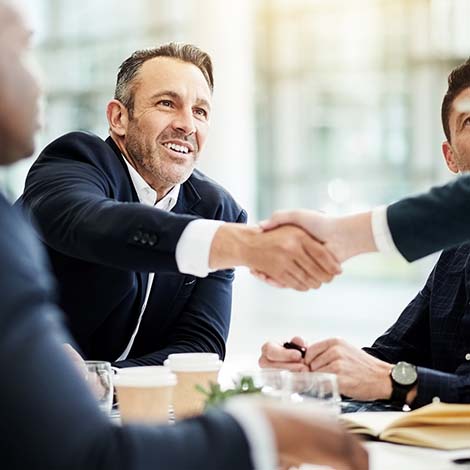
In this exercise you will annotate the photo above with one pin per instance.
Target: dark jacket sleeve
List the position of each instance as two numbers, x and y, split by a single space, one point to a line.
204 322
69 196
432 221
48 417
449 388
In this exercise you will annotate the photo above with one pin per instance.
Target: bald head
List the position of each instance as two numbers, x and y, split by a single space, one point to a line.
19 91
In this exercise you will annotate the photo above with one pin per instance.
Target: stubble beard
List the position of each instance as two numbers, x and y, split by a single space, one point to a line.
155 161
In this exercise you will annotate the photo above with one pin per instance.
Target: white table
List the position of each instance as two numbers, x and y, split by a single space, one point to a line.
385 456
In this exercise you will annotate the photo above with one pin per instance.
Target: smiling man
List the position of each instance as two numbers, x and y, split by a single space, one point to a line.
94 202
103 211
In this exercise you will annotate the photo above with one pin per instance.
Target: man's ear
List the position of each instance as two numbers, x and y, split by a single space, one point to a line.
118 117
449 157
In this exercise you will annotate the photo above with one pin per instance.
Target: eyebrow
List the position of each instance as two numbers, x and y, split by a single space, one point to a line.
176 96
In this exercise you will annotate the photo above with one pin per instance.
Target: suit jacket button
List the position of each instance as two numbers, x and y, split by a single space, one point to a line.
145 238
137 236
153 240
467 357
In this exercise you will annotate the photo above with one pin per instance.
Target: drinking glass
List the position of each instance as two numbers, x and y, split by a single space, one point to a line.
313 388
99 378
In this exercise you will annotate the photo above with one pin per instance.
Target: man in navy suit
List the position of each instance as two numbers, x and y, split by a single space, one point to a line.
48 417
95 203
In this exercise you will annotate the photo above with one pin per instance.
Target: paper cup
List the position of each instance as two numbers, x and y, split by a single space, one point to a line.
144 393
192 369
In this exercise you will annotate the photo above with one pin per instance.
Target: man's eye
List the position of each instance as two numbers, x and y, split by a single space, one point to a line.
166 103
200 112
466 122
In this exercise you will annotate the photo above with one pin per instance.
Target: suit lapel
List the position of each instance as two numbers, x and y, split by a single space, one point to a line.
120 158
188 198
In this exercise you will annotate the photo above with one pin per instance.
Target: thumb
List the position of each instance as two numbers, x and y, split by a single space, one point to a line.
278 218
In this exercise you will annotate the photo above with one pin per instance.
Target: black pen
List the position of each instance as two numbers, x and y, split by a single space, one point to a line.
301 349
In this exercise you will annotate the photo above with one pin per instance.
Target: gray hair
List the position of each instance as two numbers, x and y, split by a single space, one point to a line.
128 70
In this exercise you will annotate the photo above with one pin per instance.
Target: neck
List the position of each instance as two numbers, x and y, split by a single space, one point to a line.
161 188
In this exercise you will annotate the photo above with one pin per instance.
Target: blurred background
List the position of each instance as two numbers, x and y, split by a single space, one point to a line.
326 104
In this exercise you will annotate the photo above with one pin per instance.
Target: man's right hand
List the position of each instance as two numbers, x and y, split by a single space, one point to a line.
305 437
287 254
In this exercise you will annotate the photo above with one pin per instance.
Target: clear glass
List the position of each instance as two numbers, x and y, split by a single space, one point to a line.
313 388
99 378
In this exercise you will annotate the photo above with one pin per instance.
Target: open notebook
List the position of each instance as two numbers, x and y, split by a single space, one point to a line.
439 425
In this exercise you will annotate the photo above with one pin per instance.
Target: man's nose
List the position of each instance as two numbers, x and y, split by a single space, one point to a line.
184 122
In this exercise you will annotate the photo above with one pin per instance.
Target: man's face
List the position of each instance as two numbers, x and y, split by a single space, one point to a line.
457 151
19 90
170 121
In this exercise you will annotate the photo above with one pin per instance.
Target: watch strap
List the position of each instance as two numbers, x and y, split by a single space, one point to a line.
399 393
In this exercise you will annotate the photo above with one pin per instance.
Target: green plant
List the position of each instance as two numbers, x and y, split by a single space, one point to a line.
215 396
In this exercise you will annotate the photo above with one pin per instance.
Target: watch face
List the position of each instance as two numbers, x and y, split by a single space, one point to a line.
404 373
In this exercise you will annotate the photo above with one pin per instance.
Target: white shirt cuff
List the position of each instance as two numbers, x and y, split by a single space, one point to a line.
258 432
194 246
382 236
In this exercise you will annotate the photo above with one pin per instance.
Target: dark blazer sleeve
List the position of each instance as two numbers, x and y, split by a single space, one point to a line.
48 417
71 195
432 221
204 322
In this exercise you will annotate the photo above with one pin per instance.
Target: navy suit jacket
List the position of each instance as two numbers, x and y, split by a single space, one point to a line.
102 243
432 221
48 418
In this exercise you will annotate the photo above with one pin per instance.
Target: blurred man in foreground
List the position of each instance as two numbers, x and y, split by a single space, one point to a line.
48 417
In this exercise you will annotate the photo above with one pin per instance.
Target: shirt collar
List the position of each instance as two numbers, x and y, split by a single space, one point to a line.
147 195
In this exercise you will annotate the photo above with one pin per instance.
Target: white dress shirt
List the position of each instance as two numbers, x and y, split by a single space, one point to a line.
381 231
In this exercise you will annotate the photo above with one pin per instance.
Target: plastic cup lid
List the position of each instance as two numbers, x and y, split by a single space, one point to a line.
130 379
193 362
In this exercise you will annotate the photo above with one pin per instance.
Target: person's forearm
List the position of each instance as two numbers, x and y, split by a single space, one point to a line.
352 235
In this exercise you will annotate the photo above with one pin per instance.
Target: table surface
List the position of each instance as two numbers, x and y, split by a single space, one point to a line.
386 456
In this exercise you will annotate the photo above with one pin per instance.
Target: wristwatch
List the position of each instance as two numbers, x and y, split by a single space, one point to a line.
404 376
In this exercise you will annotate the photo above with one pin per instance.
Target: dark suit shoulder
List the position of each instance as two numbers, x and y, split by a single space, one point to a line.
82 157
78 145
216 202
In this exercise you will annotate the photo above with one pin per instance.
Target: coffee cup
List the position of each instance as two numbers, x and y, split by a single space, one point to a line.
192 369
144 393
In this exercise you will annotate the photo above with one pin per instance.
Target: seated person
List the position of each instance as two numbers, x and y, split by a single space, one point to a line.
101 208
48 417
432 335
94 203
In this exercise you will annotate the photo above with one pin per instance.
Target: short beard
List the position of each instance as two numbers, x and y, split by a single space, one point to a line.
145 157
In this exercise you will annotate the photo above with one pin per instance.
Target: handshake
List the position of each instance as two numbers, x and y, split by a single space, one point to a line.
301 249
